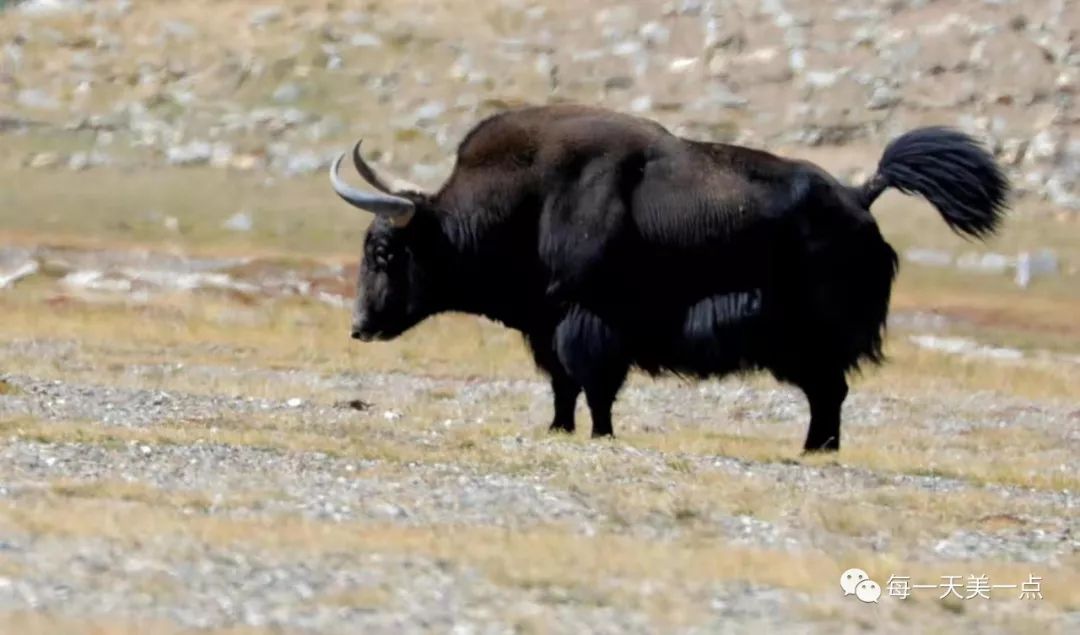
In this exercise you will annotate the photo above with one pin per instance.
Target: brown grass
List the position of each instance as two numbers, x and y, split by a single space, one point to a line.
31 623
537 558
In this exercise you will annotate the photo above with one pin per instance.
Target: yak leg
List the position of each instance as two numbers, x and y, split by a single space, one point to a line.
601 396
563 386
593 356
566 393
826 393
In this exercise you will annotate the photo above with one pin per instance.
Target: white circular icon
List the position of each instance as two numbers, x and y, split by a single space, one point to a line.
851 579
868 591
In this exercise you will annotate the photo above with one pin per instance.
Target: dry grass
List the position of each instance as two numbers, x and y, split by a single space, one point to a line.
29 623
602 566
642 481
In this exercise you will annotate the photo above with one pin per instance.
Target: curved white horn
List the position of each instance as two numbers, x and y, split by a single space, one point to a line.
384 204
389 184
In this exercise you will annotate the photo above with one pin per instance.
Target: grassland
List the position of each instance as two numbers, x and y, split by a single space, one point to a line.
232 463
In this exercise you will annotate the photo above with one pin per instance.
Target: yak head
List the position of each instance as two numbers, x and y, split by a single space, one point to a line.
394 290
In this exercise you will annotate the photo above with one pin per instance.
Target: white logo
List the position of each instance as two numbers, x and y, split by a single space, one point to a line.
851 579
868 591
856 582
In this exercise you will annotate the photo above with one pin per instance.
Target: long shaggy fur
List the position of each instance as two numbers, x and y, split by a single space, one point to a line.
612 243
952 171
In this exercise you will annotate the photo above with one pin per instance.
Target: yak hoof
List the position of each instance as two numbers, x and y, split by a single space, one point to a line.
558 428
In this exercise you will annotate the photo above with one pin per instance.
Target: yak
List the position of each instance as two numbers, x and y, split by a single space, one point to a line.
614 244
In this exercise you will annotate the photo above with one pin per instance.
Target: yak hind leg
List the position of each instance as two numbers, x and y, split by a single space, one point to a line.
593 355
826 392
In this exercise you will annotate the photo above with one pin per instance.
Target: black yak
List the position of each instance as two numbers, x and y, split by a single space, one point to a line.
611 243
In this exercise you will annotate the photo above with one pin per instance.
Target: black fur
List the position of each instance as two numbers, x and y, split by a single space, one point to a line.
949 169
611 243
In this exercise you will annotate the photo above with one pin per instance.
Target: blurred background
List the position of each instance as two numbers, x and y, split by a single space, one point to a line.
190 439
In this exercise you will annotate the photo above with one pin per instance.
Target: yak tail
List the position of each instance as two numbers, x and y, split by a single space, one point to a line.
950 170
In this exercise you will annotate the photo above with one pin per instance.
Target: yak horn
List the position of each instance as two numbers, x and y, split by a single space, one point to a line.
387 185
398 208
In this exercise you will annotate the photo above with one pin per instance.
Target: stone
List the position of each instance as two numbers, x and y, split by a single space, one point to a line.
194 153
16 264
654 34
288 93
641 104
46 7
1029 265
178 29
264 16
821 79
221 155
988 263
245 162
44 160
682 64
36 100
239 222
303 162
365 40
883 98
928 257
78 161
1044 146
1059 190
427 113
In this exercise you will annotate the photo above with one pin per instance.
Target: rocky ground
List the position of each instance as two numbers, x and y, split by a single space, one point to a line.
190 442
210 471
280 88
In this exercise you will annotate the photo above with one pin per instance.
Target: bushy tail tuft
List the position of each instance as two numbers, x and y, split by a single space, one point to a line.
952 171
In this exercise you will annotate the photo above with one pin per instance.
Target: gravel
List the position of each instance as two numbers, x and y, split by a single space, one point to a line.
200 585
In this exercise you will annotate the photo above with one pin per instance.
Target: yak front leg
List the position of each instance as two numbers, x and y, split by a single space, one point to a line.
563 387
593 355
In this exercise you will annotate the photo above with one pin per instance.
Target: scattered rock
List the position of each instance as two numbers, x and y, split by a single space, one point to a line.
36 100
641 104
654 34
883 98
1010 78
265 16
304 162
1030 265
16 264
45 7
193 153
965 347
989 263
239 222
929 257
365 40
43 160
288 93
